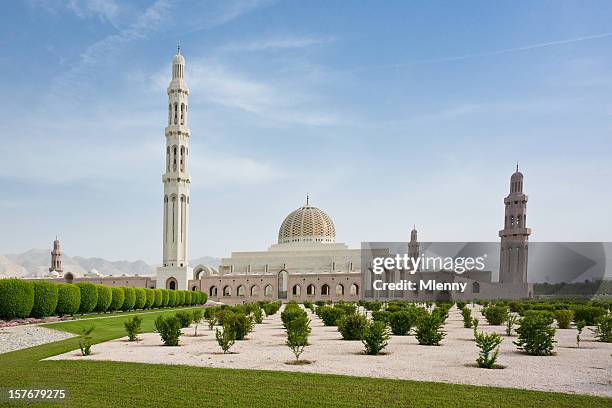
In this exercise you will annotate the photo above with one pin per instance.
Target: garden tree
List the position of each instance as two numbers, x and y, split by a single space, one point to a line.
496 315
165 297
257 314
429 330
475 325
188 296
158 297
351 326
89 296
580 324
117 298
68 299
381 316
403 320
129 300
16 298
105 297
150 298
467 317
536 335
45 298
511 320
588 313
298 331
564 318
240 323
196 317
85 340
330 314
132 327
184 317
226 338
172 298
209 315
489 348
141 298
292 311
169 329
180 298
375 337
271 308
603 328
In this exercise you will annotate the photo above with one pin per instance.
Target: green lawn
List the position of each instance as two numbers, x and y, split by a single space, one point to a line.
109 384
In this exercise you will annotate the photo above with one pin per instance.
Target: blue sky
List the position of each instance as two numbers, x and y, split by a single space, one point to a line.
387 113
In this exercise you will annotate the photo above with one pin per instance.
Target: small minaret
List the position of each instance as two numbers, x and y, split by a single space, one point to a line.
56 257
515 235
413 245
176 181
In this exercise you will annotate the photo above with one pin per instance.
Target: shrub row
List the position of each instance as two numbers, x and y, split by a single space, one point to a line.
20 298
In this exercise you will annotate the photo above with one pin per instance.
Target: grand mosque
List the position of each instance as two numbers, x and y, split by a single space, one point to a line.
306 262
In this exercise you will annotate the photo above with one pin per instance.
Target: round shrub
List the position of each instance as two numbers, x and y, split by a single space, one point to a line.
188 297
89 296
171 298
496 315
428 330
564 318
45 299
180 298
130 299
402 321
159 297
351 326
588 313
536 335
330 315
16 298
68 299
141 298
165 297
118 298
381 316
105 297
150 298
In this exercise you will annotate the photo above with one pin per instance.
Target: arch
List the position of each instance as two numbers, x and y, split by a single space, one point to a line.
194 288
174 156
311 290
325 290
227 291
171 283
212 292
354 289
182 113
182 159
254 291
283 276
175 113
339 290
297 290
268 291
240 291
475 287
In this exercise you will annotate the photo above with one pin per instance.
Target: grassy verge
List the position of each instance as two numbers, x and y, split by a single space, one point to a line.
112 384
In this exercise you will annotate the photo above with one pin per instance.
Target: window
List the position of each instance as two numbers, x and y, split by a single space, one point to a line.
227 291
310 290
240 291
354 291
325 290
268 291
297 290
339 290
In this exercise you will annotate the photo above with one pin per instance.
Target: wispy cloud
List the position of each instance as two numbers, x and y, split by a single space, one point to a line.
104 10
276 43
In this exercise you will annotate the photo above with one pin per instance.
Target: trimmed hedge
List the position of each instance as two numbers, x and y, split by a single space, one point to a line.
180 298
150 298
118 298
16 298
130 299
68 299
165 297
141 298
89 297
188 297
45 299
171 298
158 297
105 297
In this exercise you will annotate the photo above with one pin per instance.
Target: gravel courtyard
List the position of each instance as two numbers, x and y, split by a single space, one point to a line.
584 370
20 337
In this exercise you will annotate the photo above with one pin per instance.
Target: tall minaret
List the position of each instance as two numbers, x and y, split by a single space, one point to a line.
515 235
56 257
176 182
413 245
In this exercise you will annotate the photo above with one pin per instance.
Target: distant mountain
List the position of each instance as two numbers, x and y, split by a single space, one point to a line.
35 263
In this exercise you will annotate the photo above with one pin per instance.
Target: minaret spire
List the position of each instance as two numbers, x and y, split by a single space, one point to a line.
307 199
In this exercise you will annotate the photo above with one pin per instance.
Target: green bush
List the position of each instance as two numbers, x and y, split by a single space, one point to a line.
188 296
466 312
271 308
496 315
180 298
402 321
184 318
349 308
603 328
89 297
117 299
132 327
197 315
159 297
225 338
428 330
292 311
169 329
536 335
165 297
461 305
381 316
588 313
16 298
171 298
351 326
487 343
375 337
298 331
150 298
564 318
130 299
141 298
330 315
45 299
240 323
105 297
68 299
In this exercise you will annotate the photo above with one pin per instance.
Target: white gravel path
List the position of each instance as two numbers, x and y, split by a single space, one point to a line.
587 370
20 337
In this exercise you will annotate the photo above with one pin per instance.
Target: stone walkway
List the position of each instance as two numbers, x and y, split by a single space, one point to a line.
20 337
